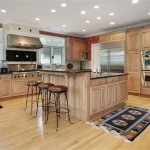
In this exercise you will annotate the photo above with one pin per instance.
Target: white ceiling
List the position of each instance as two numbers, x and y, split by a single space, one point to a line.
25 11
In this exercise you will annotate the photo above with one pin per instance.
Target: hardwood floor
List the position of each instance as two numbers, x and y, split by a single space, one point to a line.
21 131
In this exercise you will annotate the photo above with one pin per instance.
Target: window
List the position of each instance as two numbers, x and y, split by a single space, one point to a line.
53 51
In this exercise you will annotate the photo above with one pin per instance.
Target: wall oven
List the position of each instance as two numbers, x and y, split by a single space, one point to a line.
145 60
145 68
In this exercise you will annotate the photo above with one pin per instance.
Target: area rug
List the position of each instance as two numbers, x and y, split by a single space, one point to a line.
1 107
126 122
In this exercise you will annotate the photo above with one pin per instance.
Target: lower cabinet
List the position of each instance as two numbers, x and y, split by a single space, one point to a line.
98 99
5 88
19 87
107 95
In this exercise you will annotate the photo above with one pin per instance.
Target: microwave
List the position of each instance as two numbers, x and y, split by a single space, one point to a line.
83 56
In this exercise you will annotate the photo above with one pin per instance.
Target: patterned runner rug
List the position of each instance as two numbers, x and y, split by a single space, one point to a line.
126 122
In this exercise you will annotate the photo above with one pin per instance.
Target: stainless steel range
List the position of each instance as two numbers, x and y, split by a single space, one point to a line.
23 75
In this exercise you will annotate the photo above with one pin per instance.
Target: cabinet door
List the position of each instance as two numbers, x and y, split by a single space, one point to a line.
111 94
98 99
19 87
145 39
134 82
74 46
122 91
5 88
133 62
132 41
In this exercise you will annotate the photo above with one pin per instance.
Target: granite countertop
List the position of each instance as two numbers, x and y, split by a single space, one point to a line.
53 70
95 75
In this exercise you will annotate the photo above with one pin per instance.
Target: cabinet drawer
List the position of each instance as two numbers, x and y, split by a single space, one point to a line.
112 79
122 78
97 82
8 76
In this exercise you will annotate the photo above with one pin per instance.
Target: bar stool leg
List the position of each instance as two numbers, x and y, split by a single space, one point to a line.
32 101
27 98
57 108
68 108
37 102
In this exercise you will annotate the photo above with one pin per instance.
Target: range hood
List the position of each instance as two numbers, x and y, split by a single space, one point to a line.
25 42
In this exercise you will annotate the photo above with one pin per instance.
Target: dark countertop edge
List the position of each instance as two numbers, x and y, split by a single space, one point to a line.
107 76
61 71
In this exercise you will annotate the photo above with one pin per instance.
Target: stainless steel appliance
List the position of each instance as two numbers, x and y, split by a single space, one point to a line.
112 57
21 75
145 69
145 60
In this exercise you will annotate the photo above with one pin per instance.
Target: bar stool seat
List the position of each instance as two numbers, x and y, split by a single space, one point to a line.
31 85
57 90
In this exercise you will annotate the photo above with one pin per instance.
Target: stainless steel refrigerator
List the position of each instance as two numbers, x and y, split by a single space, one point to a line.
112 57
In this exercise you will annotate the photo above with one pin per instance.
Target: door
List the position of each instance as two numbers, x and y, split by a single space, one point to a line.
95 61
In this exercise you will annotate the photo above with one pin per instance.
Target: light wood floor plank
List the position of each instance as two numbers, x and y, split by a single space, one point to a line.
21 131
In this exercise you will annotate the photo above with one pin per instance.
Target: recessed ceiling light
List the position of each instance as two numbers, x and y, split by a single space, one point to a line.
112 23
53 10
87 21
3 11
37 19
98 18
149 13
96 7
111 14
83 30
135 1
63 4
64 25
83 12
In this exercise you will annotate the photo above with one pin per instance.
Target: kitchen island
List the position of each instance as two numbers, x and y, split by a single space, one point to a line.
90 94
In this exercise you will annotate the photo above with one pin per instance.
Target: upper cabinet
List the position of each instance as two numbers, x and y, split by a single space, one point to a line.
132 41
145 39
75 47
118 36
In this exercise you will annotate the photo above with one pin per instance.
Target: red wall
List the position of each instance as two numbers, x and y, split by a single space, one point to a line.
92 40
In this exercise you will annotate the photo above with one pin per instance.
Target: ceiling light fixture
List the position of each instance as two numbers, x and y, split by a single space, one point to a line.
112 23
111 14
37 19
149 13
96 7
63 5
87 21
83 12
53 10
64 25
98 18
3 11
135 1
83 30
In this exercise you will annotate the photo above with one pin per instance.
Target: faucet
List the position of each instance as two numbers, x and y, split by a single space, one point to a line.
56 66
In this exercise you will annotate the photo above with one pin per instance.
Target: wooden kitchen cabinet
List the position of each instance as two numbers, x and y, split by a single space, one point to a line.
74 46
110 37
19 87
132 41
5 88
145 39
98 99
133 68
133 62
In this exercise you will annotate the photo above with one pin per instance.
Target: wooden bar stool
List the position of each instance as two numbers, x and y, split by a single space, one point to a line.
43 91
31 85
57 90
